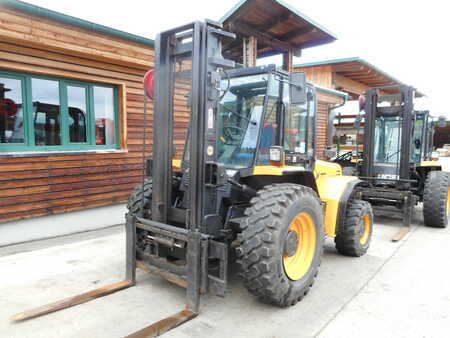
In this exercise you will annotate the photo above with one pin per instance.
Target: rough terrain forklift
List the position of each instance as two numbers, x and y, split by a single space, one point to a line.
397 166
247 181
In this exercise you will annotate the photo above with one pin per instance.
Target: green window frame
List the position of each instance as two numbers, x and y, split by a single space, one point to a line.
66 144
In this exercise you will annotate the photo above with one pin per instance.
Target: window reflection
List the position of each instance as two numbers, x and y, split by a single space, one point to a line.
104 115
76 97
11 114
47 117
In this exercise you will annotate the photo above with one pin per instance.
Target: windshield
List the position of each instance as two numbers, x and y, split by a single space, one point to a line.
239 119
387 140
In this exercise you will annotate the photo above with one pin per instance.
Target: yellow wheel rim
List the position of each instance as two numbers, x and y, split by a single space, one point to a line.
298 264
367 223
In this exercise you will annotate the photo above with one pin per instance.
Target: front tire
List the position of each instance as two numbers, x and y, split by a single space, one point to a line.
355 236
436 199
140 200
281 243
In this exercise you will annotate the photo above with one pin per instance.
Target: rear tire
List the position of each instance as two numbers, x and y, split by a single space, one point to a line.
268 271
436 199
355 236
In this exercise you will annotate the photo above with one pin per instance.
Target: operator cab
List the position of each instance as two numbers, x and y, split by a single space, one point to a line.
259 114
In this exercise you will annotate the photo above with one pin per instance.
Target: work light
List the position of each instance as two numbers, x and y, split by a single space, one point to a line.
276 154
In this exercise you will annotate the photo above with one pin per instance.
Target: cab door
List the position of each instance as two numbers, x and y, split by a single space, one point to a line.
299 128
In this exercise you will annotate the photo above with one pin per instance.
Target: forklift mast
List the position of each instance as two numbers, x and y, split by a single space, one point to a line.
401 110
188 55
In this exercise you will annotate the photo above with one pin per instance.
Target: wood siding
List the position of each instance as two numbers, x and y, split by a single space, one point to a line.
319 76
321 129
41 185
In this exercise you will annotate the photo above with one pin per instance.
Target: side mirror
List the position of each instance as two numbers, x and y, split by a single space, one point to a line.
417 143
298 87
442 122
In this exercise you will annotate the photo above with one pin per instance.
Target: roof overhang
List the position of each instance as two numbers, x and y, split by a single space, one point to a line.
277 26
359 70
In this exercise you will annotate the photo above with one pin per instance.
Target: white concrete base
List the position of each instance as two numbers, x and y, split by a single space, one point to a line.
62 224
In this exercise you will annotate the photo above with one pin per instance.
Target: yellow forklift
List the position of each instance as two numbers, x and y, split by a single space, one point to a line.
397 167
247 184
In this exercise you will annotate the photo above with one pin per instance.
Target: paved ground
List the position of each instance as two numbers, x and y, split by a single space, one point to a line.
397 289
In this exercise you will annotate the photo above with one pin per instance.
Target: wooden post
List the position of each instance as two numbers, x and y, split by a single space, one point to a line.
250 51
287 61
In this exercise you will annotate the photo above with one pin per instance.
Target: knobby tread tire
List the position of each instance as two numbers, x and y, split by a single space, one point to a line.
435 213
134 204
347 240
263 230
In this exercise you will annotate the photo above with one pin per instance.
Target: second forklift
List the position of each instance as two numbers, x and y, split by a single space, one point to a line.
397 168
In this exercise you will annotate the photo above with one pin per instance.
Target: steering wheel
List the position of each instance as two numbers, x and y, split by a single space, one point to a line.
233 134
345 157
388 156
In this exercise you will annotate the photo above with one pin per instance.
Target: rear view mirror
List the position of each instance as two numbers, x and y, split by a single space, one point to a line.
442 121
298 87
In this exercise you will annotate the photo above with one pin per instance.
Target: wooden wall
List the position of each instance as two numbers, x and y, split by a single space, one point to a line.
325 101
320 76
40 185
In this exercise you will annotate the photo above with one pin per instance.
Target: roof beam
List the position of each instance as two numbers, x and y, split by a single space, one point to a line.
366 77
349 85
354 72
274 22
344 67
246 30
314 43
296 33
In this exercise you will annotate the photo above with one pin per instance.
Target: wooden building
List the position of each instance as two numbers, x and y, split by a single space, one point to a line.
71 135
71 94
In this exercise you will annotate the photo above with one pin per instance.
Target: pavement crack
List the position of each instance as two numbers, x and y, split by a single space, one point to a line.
366 283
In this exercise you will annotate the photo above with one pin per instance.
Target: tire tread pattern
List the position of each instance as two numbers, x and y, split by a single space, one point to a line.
257 251
134 204
347 240
435 199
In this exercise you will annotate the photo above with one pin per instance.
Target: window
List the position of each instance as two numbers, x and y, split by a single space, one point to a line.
388 134
77 102
46 112
299 126
104 115
42 113
269 130
239 120
11 112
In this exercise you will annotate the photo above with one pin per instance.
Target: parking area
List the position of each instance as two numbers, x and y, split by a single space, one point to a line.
397 289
